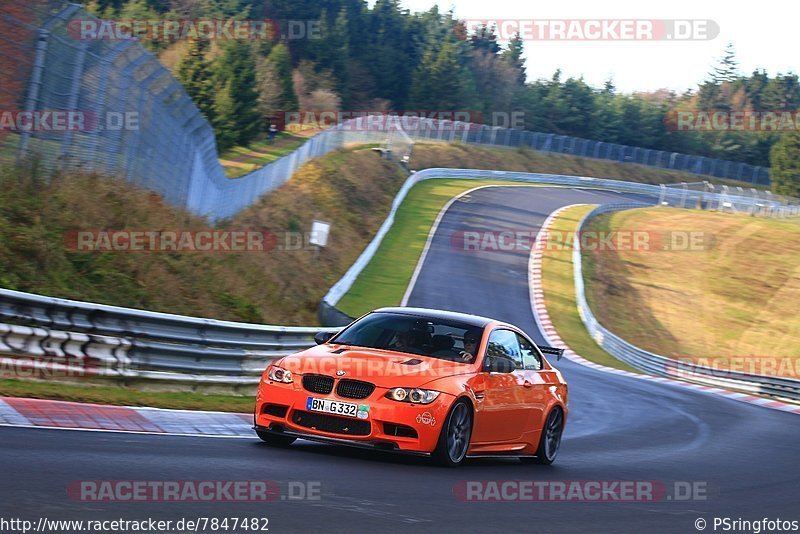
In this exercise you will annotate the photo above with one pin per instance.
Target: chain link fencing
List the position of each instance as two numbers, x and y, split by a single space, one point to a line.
122 113
468 133
136 121
724 198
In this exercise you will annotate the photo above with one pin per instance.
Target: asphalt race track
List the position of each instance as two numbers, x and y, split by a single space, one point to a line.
619 429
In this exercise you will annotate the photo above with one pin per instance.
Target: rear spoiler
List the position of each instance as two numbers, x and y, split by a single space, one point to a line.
551 350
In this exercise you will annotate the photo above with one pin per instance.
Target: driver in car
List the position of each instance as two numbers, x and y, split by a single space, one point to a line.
471 339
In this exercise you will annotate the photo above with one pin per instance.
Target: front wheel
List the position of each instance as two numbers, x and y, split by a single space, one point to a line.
276 440
451 449
550 440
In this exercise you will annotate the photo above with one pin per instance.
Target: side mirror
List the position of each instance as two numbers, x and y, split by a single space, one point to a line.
499 365
322 337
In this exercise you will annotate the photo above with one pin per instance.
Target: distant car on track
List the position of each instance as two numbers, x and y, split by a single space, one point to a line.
420 381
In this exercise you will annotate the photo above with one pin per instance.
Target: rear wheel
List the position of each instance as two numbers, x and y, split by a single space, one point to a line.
451 450
276 440
550 441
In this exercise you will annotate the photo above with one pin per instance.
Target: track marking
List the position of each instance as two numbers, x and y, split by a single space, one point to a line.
548 331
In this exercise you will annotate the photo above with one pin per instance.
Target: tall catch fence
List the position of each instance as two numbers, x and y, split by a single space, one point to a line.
133 119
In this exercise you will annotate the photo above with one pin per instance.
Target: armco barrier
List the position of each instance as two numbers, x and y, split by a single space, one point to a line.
662 194
658 365
137 344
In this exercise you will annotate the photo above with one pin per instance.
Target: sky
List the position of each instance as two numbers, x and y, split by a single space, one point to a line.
768 41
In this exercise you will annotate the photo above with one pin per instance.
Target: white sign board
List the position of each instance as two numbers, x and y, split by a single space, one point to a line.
319 233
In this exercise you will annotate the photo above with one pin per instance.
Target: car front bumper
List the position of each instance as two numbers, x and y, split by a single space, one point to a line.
390 425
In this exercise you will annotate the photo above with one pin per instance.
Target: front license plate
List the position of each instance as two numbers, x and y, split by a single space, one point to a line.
335 407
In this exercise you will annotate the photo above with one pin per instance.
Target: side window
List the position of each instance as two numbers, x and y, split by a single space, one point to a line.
504 344
530 355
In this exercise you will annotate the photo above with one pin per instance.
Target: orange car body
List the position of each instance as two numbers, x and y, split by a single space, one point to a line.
509 409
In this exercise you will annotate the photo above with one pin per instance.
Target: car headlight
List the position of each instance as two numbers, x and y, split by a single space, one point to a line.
413 395
279 374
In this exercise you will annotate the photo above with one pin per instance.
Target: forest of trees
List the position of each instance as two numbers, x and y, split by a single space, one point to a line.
388 59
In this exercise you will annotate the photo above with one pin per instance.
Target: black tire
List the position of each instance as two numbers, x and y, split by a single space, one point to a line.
550 440
276 440
451 449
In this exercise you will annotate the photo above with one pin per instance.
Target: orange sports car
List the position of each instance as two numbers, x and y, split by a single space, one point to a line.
435 383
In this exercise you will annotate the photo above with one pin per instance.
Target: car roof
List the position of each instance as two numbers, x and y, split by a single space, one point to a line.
471 320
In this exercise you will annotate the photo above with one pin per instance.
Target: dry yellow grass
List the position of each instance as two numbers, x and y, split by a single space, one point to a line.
734 298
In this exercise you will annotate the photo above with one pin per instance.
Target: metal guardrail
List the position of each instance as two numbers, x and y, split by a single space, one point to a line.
133 344
60 335
656 364
689 198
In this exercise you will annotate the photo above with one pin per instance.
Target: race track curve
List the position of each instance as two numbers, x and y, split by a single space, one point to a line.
620 429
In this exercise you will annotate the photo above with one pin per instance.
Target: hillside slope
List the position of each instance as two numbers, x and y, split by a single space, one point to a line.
352 189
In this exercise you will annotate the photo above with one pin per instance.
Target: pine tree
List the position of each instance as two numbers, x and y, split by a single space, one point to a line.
282 64
225 117
485 38
235 72
341 52
727 70
513 55
785 162
194 73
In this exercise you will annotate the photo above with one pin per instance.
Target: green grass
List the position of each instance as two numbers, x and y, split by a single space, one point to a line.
118 396
242 160
559 290
384 280
732 298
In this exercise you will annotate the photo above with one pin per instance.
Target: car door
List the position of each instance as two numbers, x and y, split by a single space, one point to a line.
534 384
501 413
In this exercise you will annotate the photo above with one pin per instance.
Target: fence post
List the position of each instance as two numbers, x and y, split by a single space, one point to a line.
34 87
74 91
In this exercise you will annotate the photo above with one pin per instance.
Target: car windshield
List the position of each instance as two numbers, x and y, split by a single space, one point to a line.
424 336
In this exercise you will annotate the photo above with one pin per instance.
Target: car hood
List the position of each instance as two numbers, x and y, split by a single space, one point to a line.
381 367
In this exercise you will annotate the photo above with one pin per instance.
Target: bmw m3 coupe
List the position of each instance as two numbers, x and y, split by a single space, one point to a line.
420 381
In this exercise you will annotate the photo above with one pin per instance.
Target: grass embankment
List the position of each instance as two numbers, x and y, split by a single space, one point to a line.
730 299
242 160
384 280
124 397
559 291
461 156
351 188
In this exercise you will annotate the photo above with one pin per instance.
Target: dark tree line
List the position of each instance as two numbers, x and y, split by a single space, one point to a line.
389 59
